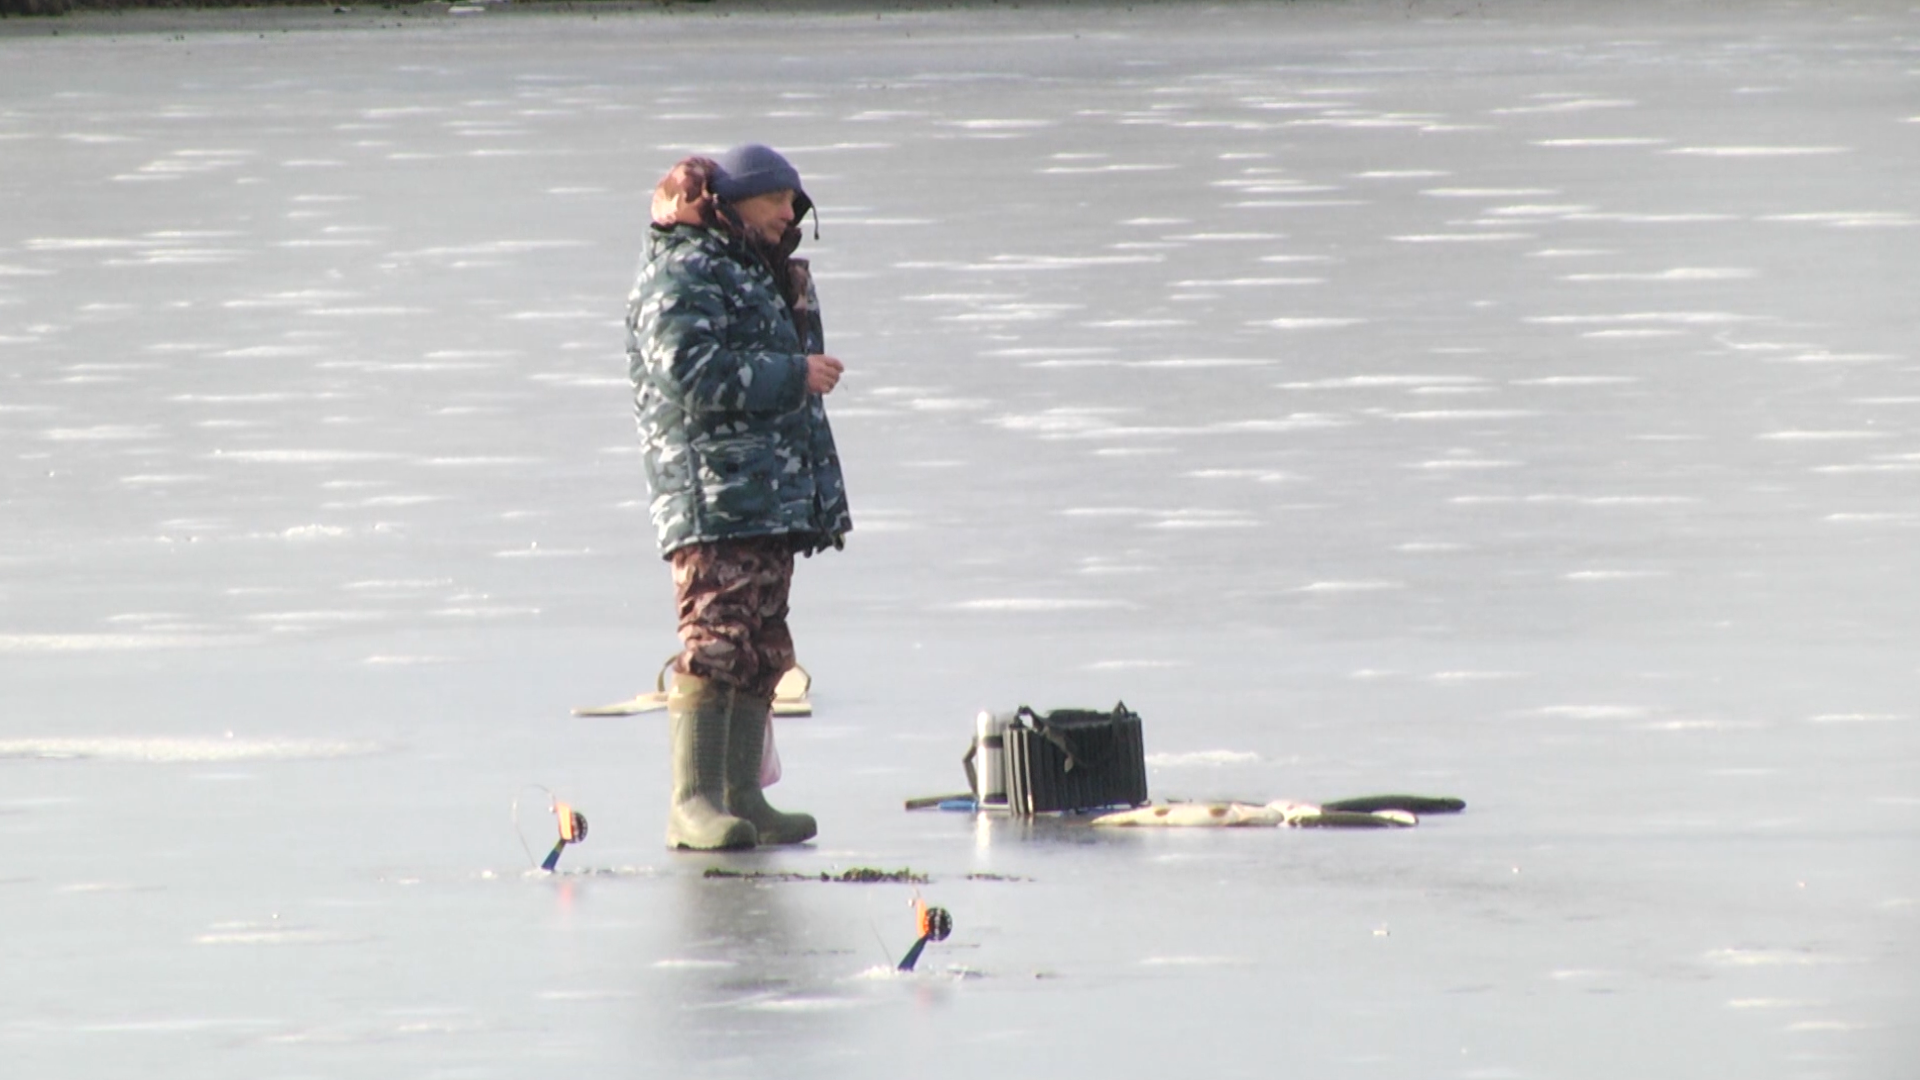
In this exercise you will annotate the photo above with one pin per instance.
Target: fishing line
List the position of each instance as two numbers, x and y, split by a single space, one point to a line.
874 925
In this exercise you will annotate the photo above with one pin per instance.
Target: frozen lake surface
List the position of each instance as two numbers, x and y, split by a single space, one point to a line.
1511 401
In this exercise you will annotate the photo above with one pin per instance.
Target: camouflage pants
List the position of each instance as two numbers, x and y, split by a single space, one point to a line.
732 596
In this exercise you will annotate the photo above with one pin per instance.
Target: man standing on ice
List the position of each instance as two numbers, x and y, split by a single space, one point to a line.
727 357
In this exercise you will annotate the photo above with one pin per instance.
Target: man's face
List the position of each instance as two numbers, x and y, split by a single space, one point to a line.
767 216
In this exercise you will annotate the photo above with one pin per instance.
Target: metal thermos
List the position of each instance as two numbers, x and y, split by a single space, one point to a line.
990 761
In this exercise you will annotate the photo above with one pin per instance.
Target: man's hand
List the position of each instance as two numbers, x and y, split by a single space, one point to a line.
823 373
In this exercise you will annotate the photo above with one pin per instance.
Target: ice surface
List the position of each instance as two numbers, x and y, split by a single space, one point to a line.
1510 401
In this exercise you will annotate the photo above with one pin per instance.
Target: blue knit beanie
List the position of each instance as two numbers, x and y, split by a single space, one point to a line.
752 169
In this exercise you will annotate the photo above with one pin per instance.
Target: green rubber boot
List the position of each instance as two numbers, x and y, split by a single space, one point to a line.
746 739
698 819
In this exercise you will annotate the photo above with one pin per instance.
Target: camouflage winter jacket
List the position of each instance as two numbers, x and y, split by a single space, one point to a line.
733 442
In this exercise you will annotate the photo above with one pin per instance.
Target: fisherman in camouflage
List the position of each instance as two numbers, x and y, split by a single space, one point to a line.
729 370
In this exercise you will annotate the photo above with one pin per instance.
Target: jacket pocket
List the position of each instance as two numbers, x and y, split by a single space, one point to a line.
739 482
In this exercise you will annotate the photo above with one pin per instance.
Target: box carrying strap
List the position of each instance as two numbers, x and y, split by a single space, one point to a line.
1085 737
973 775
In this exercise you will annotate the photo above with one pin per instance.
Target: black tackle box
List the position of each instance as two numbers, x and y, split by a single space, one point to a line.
1074 759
